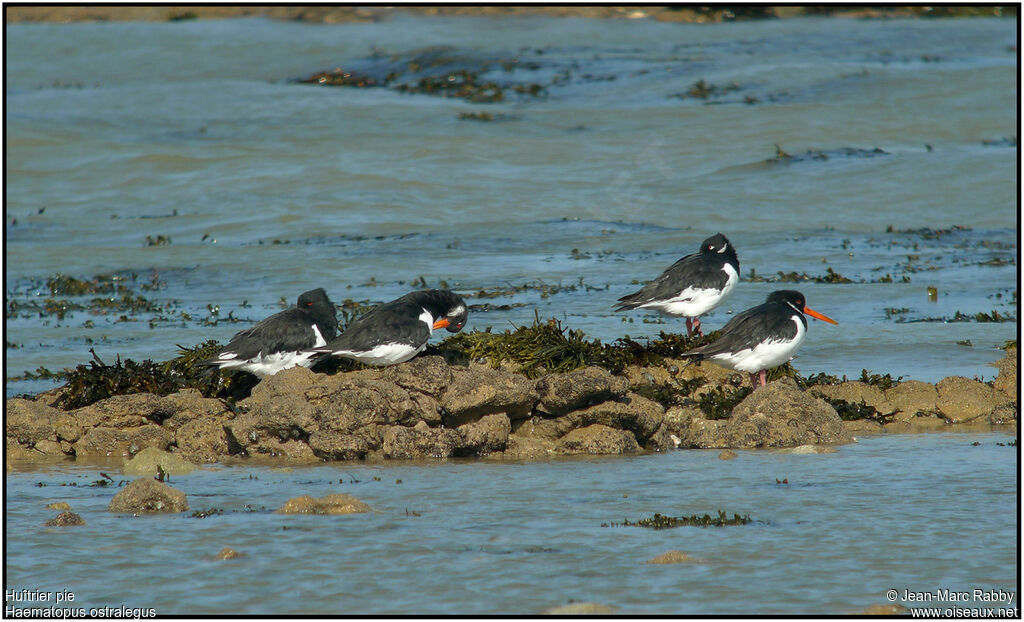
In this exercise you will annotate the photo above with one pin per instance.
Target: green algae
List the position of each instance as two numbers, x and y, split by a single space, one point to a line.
547 347
661 521
719 401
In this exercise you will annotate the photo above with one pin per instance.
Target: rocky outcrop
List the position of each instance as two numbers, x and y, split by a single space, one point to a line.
152 461
428 409
328 504
962 400
778 415
148 496
65 519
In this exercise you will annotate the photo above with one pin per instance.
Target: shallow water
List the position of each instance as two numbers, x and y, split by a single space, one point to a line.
196 131
920 512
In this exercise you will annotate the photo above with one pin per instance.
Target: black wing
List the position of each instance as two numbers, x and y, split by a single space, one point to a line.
691 271
751 328
288 331
394 322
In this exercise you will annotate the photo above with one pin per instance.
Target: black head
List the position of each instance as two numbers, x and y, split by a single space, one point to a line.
448 308
316 303
797 301
717 243
789 297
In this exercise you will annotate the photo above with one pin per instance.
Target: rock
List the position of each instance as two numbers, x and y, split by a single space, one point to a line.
485 436
962 399
886 609
424 374
148 496
105 441
229 553
480 390
670 557
727 454
580 609
118 411
336 446
177 409
1006 414
911 398
863 426
561 393
855 393
65 519
329 504
807 449
420 442
203 440
634 413
917 424
146 462
29 422
59 505
597 439
647 377
778 415
527 448
1006 381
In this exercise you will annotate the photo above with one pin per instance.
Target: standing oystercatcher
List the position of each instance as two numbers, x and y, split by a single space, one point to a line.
283 339
763 337
693 285
396 331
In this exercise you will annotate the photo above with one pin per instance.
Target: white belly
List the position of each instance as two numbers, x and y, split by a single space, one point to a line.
766 355
694 301
384 354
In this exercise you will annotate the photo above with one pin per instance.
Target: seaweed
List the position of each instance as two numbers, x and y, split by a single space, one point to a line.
883 382
719 401
660 521
853 411
87 384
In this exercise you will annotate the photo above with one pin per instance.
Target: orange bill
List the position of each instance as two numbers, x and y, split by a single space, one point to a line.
443 322
811 312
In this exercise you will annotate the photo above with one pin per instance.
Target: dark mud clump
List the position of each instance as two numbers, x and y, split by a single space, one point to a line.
660 521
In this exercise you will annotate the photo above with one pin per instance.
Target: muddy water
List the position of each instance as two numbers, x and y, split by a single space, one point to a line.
920 513
196 131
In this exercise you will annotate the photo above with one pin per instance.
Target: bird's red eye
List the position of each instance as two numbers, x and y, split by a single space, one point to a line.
309 304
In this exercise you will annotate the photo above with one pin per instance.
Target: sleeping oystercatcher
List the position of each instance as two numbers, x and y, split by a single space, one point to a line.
396 331
693 285
282 340
763 337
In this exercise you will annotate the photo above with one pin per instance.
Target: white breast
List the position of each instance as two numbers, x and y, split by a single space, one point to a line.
766 355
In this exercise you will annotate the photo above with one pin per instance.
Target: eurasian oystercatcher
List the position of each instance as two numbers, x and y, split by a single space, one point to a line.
693 285
282 340
762 337
396 331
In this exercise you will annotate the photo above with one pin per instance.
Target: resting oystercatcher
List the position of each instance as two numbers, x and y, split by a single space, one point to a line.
693 285
763 337
396 331
283 339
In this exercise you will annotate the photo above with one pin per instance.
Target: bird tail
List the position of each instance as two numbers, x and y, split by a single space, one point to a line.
632 301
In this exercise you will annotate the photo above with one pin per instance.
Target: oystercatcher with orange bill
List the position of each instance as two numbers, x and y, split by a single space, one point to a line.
693 285
282 340
761 338
396 331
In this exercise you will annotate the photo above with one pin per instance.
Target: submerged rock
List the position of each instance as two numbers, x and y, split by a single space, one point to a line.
329 504
580 609
727 454
670 557
65 519
228 553
148 496
150 461
58 505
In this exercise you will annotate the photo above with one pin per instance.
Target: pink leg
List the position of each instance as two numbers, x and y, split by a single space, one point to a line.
764 381
696 327
689 327
753 380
